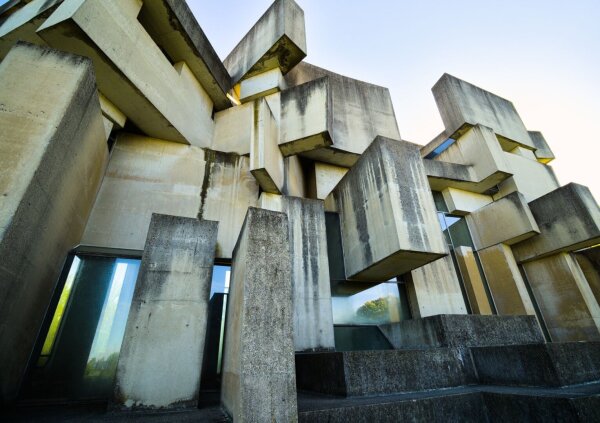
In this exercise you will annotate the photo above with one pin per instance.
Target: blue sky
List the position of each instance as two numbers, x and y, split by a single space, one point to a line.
542 55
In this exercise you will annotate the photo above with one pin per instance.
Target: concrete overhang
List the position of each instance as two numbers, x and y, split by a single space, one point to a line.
442 175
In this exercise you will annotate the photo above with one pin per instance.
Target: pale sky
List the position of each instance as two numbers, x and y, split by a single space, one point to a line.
543 55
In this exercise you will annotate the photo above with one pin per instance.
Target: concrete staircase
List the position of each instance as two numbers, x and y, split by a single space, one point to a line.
454 368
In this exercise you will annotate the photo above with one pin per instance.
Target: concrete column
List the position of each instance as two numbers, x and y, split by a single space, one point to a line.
472 279
163 346
259 380
565 300
53 154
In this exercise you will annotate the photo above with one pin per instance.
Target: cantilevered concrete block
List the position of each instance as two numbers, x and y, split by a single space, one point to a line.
463 105
277 40
507 221
163 100
463 202
326 177
53 154
543 153
467 264
161 356
568 218
311 292
504 279
261 85
589 261
388 221
234 128
306 117
259 382
266 161
565 300
360 112
435 289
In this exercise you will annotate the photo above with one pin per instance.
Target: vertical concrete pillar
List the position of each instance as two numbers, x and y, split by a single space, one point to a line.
161 356
565 300
472 279
53 154
259 380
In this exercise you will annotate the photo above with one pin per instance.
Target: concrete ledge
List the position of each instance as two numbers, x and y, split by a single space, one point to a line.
555 364
446 330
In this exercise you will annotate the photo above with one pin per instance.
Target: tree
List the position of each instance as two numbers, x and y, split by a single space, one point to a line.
374 309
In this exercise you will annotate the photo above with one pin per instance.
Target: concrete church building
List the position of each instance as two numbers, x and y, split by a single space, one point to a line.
252 239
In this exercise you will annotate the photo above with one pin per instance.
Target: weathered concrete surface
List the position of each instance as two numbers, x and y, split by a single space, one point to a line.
504 279
266 161
463 331
354 373
261 85
259 383
173 27
507 221
434 289
568 218
52 160
566 302
463 105
163 100
589 262
543 153
360 112
476 294
295 181
326 177
234 129
464 202
552 364
277 40
311 293
387 215
147 175
163 346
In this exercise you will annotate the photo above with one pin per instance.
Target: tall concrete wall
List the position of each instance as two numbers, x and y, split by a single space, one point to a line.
161 356
52 160
259 382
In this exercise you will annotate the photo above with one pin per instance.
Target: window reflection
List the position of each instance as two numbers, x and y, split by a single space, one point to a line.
376 305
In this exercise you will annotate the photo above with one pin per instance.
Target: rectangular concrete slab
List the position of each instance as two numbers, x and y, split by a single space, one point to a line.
473 282
163 346
259 383
266 161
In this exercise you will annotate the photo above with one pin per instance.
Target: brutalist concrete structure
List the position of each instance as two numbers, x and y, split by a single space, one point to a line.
252 239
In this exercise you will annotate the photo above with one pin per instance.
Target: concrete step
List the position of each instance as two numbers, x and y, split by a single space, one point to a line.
356 373
553 364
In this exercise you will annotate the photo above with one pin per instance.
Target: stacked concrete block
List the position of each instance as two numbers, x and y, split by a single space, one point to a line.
471 277
259 382
266 161
52 154
161 356
463 202
543 153
234 128
261 85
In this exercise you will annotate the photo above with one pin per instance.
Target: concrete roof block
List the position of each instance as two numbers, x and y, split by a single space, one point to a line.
543 153
463 105
277 40
568 218
507 221
387 215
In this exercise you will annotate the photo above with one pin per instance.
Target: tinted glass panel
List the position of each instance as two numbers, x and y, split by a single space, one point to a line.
370 306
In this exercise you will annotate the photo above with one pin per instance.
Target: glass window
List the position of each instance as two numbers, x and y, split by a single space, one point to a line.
80 350
371 305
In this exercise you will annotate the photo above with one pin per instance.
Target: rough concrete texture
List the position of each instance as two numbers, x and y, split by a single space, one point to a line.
266 161
565 299
589 262
173 27
463 331
543 153
52 162
161 355
553 364
360 112
568 218
473 283
234 128
435 289
452 408
355 373
388 221
326 178
463 202
306 117
504 279
507 221
163 100
311 293
462 105
259 383
294 181
261 85
277 40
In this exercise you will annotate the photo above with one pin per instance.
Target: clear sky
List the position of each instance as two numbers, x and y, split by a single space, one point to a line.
543 55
